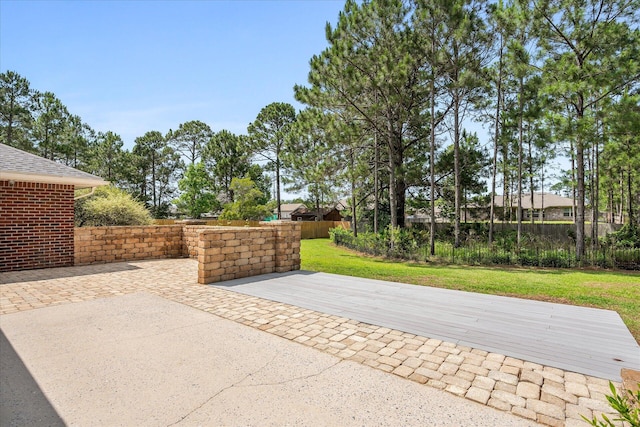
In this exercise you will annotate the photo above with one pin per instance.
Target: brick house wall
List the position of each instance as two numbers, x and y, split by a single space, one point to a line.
36 225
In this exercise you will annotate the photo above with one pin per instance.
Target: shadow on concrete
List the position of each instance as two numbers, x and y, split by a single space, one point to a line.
62 272
261 277
22 403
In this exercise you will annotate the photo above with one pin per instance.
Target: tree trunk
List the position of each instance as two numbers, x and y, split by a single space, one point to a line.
573 180
611 219
316 202
533 208
496 136
520 134
397 184
432 167
456 166
376 160
596 219
393 201
592 191
621 208
581 196
153 178
354 218
466 208
580 183
632 222
506 208
278 182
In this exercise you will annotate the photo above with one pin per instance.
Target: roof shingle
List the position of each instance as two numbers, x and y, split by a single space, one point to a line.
19 165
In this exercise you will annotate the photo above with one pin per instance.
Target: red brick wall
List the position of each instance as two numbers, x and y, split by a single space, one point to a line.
36 225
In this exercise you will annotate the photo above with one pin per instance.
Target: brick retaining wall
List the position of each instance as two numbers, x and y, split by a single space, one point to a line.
287 244
95 245
234 252
223 253
190 234
226 253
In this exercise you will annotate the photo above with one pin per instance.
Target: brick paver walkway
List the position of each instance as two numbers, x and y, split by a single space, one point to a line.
548 395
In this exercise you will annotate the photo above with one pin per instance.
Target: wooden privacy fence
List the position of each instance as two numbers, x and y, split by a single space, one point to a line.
320 229
310 229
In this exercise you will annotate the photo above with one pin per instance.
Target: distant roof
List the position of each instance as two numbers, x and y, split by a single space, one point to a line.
290 207
550 201
307 211
18 165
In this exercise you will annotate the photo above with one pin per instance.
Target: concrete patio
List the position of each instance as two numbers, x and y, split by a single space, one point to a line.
142 360
43 310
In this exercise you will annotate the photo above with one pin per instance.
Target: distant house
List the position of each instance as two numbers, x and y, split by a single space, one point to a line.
287 208
547 206
37 210
325 214
423 216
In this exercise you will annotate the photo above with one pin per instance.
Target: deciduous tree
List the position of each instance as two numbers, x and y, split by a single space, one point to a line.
198 195
247 204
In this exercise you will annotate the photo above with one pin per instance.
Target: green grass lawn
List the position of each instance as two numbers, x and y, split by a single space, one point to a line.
611 290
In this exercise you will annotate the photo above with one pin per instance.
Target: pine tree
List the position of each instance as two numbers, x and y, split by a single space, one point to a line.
591 51
268 135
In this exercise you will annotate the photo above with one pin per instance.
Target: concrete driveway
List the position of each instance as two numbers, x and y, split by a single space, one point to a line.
141 359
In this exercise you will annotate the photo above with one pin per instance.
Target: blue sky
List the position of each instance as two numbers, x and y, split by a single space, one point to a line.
136 66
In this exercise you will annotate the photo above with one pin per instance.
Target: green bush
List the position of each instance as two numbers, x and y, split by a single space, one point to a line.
413 244
528 258
627 406
603 261
475 257
555 259
506 240
626 258
500 258
626 237
247 202
110 206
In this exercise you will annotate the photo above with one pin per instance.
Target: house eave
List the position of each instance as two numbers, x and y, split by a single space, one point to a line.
77 182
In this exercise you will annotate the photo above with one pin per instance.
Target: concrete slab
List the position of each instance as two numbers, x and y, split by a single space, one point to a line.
140 359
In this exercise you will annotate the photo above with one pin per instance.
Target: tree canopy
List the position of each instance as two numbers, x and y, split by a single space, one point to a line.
390 121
